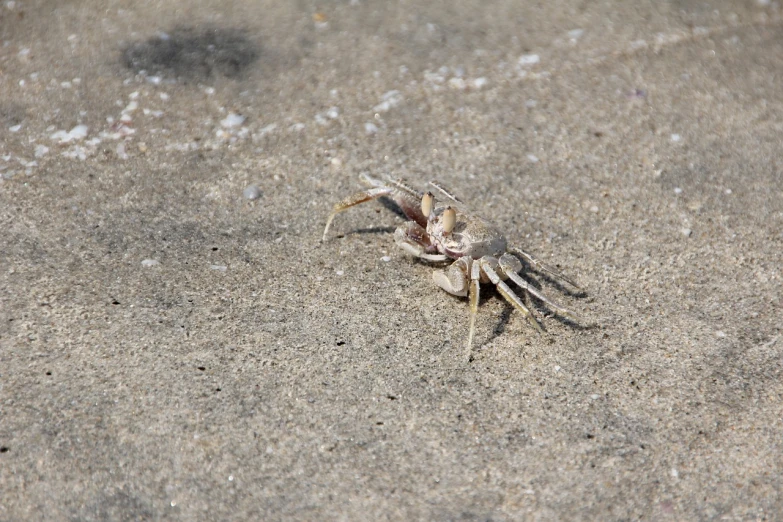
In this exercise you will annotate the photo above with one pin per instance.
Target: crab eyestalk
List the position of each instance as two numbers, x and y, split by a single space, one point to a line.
449 220
427 201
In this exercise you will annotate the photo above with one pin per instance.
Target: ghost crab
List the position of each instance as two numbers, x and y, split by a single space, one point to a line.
451 231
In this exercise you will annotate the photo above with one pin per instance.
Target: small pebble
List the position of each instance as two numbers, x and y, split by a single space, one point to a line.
528 59
221 268
340 272
676 137
457 83
150 262
370 128
386 259
15 128
686 232
720 334
252 192
389 100
232 120
532 158
677 190
478 83
595 396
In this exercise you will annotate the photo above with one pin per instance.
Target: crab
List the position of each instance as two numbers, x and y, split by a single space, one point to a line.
440 233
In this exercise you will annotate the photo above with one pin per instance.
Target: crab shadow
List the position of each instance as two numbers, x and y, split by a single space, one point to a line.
371 230
536 306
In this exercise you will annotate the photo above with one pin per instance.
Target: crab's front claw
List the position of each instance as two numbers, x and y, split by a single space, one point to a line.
454 279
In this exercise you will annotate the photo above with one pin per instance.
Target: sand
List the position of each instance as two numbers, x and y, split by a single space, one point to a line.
176 343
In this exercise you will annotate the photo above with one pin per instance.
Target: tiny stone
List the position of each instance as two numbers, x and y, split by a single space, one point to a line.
686 232
595 396
252 192
532 158
340 272
221 268
370 128
15 128
677 190
386 259
149 262
457 83
676 138
232 120
720 334
478 83
728 191
528 59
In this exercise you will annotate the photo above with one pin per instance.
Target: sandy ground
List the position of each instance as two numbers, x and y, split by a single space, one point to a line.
171 349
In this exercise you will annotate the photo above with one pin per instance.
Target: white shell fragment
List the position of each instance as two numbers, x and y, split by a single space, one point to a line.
232 120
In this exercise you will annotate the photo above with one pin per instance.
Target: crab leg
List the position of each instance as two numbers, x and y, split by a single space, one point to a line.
356 199
408 199
507 293
443 190
509 265
404 195
542 267
475 276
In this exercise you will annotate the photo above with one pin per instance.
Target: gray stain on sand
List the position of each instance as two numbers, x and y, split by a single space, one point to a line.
193 53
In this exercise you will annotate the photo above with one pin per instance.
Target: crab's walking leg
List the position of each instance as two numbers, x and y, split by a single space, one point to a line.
475 276
356 199
408 199
540 266
510 265
446 192
507 293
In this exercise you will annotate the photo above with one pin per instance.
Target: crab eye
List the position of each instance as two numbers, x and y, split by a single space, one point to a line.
426 204
449 220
